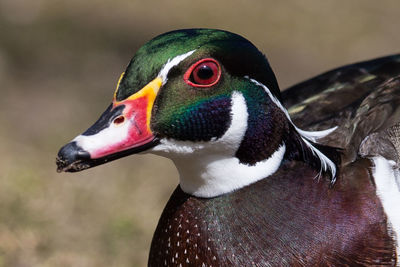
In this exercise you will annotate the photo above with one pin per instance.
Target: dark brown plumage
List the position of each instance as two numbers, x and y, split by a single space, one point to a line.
296 222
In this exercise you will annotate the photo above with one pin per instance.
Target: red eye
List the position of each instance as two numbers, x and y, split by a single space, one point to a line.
203 73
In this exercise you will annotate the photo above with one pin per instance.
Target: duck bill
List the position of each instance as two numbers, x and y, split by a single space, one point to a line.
123 129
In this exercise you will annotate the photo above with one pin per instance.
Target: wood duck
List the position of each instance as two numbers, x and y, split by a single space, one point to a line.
306 178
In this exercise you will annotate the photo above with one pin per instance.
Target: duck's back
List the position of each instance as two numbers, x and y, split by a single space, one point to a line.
362 100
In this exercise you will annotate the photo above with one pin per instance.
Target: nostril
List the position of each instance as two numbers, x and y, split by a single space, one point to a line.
119 120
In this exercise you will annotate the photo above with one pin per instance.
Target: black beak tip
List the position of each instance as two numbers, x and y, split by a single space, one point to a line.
70 158
73 158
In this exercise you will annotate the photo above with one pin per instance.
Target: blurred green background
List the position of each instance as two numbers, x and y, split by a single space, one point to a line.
59 64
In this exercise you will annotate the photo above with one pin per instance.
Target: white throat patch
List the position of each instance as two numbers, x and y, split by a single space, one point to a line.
209 169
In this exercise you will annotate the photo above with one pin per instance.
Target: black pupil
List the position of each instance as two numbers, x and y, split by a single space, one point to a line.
205 72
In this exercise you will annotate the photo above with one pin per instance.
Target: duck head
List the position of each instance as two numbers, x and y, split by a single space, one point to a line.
208 100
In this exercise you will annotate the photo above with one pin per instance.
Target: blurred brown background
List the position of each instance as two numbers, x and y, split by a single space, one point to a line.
59 63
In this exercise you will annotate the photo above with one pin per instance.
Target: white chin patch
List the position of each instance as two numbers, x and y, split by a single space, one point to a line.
209 169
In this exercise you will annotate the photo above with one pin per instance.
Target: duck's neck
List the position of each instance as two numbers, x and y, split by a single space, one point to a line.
252 148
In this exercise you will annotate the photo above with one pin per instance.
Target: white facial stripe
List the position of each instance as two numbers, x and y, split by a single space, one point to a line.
313 136
106 137
387 181
172 63
209 169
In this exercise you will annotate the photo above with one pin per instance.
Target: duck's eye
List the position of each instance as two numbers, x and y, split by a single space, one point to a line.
203 73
